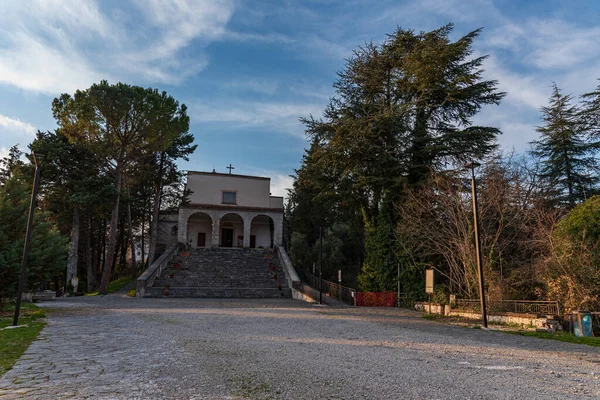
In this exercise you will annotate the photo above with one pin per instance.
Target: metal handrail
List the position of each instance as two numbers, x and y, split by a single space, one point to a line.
335 290
514 306
147 278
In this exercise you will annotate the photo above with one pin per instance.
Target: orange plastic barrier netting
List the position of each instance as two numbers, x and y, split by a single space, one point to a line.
376 299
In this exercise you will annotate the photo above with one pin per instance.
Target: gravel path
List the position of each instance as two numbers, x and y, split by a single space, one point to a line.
122 348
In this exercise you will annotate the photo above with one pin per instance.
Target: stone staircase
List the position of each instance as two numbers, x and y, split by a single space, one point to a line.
222 273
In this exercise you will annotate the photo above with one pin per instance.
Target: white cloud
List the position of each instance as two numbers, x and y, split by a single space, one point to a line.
17 126
264 86
3 152
548 43
528 90
62 45
280 115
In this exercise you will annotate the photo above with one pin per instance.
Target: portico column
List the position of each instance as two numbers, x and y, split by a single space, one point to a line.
216 228
247 227
182 220
277 230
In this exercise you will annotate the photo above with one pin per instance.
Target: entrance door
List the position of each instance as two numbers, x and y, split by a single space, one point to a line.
227 237
201 239
252 241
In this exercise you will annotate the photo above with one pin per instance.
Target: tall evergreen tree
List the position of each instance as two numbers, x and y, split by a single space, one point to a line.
403 108
567 158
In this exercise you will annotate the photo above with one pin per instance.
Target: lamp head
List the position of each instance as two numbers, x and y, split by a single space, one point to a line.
472 165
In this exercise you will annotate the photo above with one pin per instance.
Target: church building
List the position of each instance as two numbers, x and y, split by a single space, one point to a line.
225 210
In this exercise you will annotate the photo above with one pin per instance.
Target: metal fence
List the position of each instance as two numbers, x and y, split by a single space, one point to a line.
337 291
511 306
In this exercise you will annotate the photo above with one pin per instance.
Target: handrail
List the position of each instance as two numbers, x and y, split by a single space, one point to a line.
335 290
288 268
147 278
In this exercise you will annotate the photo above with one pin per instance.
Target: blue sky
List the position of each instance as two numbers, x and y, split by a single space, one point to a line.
248 70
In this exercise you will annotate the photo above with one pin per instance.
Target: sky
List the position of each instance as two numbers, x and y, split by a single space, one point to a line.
248 70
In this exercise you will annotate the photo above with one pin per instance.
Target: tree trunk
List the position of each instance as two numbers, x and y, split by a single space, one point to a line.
112 234
74 249
142 240
131 238
156 210
91 271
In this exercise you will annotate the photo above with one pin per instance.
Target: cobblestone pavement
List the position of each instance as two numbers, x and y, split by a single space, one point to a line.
122 348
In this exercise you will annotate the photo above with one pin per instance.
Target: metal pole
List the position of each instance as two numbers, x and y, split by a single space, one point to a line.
36 181
320 265
478 246
398 284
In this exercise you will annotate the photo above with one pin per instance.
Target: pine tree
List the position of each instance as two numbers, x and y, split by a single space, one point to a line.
567 158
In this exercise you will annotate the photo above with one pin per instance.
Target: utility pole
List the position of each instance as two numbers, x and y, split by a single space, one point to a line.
472 167
34 191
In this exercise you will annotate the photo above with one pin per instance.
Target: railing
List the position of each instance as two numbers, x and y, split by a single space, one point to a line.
511 306
342 293
147 278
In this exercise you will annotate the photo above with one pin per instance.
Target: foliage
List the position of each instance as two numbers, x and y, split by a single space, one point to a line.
567 159
47 251
14 342
560 336
123 125
403 107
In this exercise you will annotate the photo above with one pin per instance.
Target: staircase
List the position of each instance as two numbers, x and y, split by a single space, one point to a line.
222 273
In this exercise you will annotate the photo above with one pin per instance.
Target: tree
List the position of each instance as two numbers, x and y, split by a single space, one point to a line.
122 124
402 109
567 159
47 249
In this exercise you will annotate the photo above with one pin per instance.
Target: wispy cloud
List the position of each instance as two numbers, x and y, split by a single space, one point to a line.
279 115
16 126
3 152
61 45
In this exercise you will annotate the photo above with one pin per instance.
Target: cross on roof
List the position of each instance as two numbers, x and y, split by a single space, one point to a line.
230 168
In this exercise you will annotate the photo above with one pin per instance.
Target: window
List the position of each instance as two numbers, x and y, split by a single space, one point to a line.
229 198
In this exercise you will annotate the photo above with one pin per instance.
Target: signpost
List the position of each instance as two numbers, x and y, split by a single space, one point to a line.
429 279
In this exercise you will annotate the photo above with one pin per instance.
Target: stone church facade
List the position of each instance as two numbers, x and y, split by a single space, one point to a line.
225 210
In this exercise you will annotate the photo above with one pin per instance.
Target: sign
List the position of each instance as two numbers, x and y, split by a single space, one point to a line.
429 281
339 275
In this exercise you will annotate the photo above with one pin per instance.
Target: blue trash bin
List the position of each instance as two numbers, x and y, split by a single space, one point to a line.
582 323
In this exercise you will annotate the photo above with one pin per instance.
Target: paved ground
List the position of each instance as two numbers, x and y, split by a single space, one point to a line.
121 348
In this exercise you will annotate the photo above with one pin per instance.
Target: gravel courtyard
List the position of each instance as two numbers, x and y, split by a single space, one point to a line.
122 348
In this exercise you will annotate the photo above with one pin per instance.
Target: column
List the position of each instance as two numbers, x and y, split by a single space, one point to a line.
247 230
277 229
182 219
216 228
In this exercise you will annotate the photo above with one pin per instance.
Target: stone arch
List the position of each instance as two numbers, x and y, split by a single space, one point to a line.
231 230
262 231
199 229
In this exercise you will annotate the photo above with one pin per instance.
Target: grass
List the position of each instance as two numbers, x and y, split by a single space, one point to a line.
561 336
517 329
114 286
14 342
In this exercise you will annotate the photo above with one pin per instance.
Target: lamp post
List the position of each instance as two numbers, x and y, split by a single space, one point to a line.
320 265
472 166
34 191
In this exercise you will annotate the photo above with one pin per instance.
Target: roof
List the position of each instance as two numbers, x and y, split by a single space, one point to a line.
262 178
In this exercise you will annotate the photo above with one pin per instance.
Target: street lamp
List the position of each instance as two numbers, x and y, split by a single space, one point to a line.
320 265
34 191
472 166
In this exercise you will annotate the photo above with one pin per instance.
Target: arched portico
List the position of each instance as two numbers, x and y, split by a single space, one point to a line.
199 230
231 230
262 231
242 221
